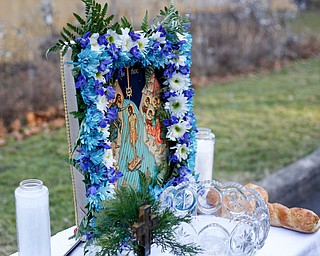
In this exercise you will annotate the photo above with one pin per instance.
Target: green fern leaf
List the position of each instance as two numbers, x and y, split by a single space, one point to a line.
145 23
104 10
69 34
126 24
79 19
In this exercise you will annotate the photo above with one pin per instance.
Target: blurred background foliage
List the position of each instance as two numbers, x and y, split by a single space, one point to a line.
230 37
256 70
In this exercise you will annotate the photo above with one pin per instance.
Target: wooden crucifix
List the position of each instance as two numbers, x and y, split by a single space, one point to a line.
143 229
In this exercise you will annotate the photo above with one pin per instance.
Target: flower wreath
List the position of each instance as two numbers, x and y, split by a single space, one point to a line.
99 55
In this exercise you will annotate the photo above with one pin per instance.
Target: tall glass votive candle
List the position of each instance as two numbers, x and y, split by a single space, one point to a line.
205 153
33 218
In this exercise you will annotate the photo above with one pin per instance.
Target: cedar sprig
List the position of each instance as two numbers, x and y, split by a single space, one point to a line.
114 223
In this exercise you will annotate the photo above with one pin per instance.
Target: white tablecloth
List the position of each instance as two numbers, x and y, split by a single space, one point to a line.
280 242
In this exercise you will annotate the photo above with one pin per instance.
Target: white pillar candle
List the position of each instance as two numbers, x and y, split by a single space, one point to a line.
33 218
205 154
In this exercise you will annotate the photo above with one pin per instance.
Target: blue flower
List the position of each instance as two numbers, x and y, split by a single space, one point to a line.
155 192
162 31
183 171
84 41
134 36
184 70
114 52
103 123
98 86
84 160
170 69
113 175
110 93
185 139
92 190
174 120
189 93
112 114
167 122
166 95
104 145
89 62
155 47
135 52
102 40
93 117
88 92
173 158
104 65
81 81
166 49
96 155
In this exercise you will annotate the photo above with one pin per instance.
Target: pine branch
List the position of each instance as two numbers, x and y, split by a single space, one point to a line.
114 223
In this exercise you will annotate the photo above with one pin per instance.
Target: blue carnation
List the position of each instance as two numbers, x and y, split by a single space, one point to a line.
89 62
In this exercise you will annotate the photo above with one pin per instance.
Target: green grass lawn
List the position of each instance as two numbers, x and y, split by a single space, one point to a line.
261 123
43 157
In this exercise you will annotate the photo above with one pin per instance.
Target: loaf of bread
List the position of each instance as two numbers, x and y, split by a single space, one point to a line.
298 219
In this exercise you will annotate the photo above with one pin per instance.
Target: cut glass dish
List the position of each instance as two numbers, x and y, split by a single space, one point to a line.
228 219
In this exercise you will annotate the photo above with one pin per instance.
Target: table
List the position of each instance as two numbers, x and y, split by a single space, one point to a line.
280 242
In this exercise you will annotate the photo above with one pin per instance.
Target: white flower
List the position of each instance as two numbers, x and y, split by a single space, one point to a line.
113 38
181 151
180 61
99 76
108 159
176 131
102 103
105 131
126 40
177 105
158 38
94 42
142 43
178 82
181 36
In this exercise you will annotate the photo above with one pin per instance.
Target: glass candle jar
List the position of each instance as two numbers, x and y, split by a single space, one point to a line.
205 154
33 218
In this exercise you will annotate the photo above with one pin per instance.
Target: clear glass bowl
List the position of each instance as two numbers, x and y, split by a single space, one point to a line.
228 219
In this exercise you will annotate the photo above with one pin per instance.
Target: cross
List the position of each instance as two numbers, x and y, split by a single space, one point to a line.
143 229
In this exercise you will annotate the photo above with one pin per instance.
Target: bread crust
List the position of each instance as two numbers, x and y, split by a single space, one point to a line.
297 219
